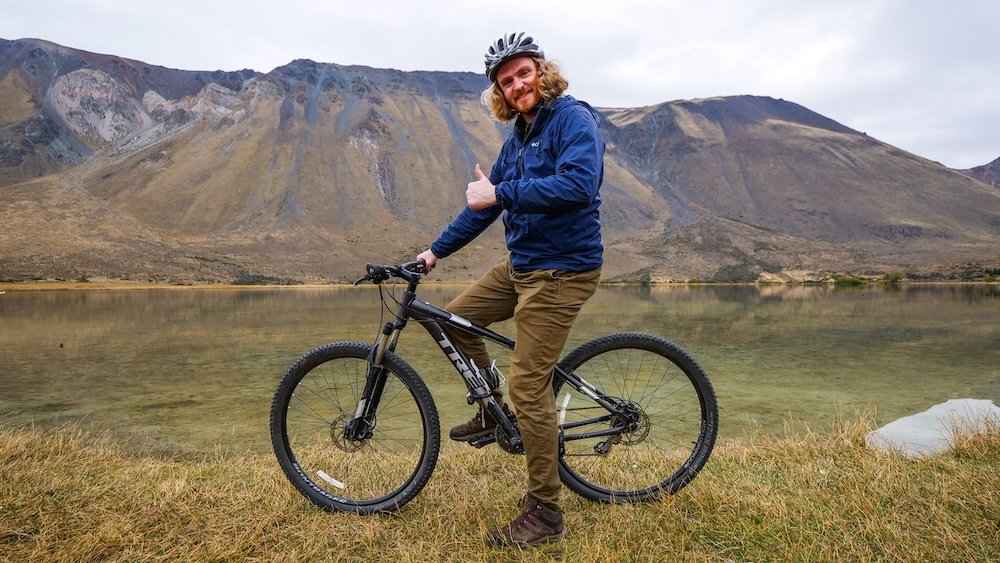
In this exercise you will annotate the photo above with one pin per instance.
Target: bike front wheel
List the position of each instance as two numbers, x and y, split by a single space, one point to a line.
315 403
669 403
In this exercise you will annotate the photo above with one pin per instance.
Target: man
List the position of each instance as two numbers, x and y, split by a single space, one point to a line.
546 180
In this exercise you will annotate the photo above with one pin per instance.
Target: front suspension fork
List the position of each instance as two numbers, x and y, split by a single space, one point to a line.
362 426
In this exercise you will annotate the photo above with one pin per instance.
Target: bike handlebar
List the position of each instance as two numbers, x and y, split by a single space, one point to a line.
409 271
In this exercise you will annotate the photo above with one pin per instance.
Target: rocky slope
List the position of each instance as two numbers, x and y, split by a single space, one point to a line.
987 173
112 168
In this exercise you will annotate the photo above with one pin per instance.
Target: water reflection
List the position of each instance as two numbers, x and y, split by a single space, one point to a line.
192 370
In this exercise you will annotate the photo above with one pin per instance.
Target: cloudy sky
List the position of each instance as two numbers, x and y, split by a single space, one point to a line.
923 75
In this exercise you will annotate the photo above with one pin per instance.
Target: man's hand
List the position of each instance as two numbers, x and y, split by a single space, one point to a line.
429 259
481 193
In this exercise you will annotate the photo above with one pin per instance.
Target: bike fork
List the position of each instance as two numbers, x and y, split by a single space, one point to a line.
362 426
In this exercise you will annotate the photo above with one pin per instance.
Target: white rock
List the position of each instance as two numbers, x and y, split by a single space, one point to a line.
931 432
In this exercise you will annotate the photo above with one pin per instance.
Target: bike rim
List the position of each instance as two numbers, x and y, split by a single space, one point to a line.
365 473
657 454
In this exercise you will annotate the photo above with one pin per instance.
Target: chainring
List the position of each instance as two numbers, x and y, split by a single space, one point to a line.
503 440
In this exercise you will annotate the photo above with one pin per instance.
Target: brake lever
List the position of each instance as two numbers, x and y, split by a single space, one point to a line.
370 275
377 273
418 266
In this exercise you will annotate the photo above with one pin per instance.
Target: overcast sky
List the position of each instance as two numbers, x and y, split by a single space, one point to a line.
919 74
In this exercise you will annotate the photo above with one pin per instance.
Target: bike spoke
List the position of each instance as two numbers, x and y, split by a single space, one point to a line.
376 465
661 419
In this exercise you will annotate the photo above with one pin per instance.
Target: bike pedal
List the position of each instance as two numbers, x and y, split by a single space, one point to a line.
483 441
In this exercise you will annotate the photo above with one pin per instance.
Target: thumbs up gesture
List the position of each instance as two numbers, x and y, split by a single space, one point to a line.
480 193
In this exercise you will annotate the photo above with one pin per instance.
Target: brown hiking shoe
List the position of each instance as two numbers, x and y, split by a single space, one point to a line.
479 425
537 524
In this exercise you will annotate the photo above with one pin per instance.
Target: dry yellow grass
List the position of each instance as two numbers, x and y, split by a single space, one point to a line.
69 496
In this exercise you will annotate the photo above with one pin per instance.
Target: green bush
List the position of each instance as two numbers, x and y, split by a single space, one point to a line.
849 280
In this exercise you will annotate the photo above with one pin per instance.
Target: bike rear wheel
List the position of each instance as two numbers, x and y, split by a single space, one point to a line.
317 399
670 400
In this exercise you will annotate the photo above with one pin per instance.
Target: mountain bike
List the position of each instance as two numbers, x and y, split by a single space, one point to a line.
355 428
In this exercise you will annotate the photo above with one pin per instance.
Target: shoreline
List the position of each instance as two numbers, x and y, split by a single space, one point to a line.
56 285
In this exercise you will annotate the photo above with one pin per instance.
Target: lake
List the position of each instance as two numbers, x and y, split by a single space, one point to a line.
191 371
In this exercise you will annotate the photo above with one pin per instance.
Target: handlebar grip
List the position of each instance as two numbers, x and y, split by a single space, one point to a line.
377 272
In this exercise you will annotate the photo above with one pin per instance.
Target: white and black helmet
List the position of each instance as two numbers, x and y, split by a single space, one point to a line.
507 47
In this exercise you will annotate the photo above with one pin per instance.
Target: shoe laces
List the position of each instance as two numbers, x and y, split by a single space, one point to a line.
530 508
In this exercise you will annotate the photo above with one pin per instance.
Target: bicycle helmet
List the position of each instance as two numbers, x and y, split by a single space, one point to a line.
507 47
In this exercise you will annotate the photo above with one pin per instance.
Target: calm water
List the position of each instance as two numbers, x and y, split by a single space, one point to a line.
193 370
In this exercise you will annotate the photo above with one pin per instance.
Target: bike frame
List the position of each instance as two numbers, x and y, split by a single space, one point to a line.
434 319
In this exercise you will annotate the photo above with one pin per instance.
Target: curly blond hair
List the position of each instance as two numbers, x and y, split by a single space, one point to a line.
551 84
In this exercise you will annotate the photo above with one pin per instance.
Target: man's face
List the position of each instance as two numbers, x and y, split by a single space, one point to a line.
517 80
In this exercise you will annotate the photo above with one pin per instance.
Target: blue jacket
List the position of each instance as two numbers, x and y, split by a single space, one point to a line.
548 181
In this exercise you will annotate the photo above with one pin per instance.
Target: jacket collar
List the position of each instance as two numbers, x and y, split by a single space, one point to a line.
546 108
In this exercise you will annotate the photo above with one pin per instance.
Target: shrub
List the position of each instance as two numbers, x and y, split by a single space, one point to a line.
849 280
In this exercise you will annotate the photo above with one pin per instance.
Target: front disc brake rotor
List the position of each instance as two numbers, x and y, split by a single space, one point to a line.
340 439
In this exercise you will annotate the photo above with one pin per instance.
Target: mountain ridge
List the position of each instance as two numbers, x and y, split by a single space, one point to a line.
987 173
312 169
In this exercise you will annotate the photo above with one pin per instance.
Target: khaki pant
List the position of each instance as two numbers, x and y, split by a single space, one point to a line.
544 304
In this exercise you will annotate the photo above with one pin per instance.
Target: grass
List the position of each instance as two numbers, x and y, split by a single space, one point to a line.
849 280
819 496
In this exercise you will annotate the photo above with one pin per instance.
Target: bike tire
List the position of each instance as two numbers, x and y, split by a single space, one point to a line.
679 419
318 395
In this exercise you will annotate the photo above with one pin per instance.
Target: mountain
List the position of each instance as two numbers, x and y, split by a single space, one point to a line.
113 168
987 173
